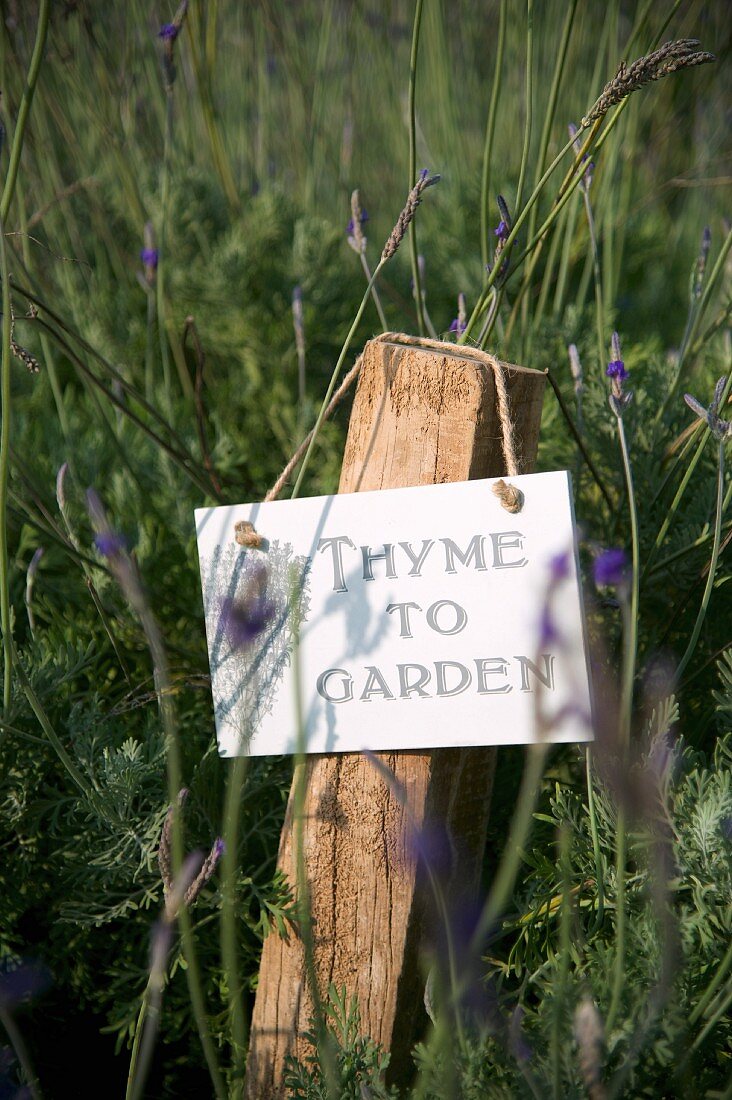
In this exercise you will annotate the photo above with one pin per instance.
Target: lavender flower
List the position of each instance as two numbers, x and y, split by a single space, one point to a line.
547 627
112 545
502 232
610 568
354 229
149 256
558 572
559 566
619 399
168 34
460 323
721 429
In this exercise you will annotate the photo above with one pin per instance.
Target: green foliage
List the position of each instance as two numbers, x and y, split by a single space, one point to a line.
674 1037
356 1064
680 926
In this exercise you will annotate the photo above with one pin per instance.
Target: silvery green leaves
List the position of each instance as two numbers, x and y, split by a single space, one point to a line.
721 429
254 602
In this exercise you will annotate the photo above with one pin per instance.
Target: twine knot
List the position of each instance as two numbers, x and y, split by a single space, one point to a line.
511 498
246 535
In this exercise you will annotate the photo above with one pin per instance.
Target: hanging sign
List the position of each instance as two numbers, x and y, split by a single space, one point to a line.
403 619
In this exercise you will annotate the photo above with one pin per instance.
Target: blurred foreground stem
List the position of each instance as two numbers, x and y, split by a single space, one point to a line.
230 921
485 190
630 649
4 474
5 200
413 162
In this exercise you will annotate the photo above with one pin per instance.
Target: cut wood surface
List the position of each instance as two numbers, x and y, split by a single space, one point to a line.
421 415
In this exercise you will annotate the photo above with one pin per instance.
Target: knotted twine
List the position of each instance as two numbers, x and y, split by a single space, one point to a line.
511 498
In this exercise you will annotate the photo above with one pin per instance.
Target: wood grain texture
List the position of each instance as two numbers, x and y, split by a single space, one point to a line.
421 415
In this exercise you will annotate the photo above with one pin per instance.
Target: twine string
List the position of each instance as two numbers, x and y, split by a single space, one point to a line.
511 498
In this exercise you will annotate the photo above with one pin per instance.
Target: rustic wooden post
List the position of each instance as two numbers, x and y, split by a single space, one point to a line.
422 414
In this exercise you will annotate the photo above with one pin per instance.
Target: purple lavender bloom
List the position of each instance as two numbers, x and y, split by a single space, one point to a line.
169 32
110 544
219 847
616 369
559 566
611 568
362 221
149 257
460 323
547 629
501 231
244 620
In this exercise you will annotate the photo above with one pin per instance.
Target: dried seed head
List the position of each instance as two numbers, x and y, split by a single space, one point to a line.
25 357
670 57
165 860
208 868
402 224
175 898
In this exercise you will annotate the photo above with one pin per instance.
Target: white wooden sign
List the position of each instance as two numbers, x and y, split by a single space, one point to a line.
427 617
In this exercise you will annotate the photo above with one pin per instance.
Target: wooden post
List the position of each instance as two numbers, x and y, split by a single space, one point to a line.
422 414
